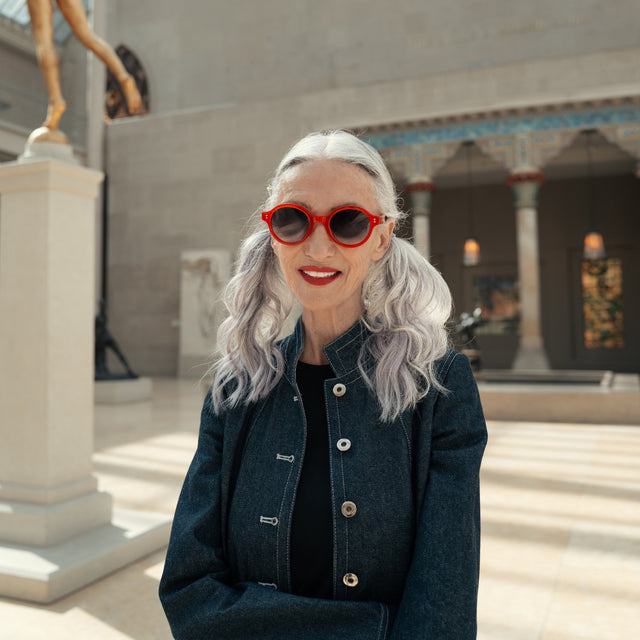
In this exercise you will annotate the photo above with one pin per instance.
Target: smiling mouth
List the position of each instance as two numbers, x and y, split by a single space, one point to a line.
316 277
318 274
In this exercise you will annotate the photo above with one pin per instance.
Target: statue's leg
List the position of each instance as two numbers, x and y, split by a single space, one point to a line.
74 14
41 15
113 345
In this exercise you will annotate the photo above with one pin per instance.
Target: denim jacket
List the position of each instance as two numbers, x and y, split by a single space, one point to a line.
406 514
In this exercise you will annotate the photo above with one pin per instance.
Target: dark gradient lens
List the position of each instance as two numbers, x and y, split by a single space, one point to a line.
350 226
289 224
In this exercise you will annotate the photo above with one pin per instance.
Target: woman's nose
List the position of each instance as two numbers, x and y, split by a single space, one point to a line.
319 243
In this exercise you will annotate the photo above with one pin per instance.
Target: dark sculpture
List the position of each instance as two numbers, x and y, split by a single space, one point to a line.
466 328
465 332
103 341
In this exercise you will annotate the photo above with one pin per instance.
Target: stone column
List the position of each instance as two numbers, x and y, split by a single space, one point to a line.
419 191
56 531
420 163
531 353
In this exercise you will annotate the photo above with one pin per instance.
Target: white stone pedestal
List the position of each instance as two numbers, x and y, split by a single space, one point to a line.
51 512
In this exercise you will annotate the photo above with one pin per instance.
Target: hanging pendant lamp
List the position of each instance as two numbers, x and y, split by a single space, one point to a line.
593 240
471 253
594 246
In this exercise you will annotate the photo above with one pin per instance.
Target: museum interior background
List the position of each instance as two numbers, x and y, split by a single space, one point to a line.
521 129
512 130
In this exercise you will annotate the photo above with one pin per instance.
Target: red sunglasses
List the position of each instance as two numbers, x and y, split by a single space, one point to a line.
346 226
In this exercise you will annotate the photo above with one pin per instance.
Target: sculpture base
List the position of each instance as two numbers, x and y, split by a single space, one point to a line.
47 150
46 134
45 574
119 391
530 356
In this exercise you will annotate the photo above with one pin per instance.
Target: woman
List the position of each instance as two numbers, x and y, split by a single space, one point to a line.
334 491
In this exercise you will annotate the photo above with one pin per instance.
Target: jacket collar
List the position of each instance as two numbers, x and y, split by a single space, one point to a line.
342 353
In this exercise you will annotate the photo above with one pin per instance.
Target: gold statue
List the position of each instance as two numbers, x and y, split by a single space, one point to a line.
41 14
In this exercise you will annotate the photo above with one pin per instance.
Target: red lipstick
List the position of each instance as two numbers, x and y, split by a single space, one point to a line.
319 276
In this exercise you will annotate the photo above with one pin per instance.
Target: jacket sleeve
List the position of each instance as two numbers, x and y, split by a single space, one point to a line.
196 588
440 595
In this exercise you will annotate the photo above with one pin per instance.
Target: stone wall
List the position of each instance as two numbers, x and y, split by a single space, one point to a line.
202 53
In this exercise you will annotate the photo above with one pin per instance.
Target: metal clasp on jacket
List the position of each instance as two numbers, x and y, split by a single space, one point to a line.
273 585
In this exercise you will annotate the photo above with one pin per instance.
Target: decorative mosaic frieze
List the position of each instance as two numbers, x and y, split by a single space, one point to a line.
627 137
588 118
526 152
521 144
420 161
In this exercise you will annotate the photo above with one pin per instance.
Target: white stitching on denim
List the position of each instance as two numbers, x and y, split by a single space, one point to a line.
344 491
332 472
279 456
273 585
265 520
406 435
284 493
346 344
286 580
382 627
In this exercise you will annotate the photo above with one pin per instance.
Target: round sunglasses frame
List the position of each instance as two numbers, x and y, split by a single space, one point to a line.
325 221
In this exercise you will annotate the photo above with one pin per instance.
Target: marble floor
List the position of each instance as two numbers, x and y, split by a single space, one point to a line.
561 528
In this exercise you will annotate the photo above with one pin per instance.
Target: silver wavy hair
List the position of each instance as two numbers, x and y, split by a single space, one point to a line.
407 302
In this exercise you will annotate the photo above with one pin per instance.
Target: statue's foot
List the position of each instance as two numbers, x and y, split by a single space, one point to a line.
131 94
54 112
46 134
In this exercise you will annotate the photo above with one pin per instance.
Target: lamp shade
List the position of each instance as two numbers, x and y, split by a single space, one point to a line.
594 246
471 255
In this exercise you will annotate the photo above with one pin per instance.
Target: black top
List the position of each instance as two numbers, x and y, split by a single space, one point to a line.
311 527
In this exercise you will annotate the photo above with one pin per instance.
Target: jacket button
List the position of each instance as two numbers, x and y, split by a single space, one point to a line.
350 579
339 389
344 444
348 509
